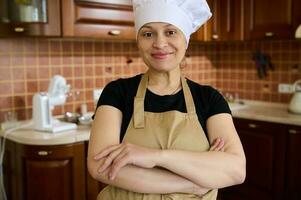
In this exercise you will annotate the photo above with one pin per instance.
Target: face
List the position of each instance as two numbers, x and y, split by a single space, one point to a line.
162 46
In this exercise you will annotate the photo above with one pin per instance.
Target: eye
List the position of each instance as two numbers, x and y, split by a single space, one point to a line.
147 34
171 32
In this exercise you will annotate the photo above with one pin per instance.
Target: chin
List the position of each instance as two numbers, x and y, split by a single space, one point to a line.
163 68
161 65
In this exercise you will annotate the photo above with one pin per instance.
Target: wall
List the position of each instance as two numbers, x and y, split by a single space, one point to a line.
26 66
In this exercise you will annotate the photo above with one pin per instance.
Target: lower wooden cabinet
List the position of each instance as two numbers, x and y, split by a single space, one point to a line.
60 173
293 177
93 186
273 162
45 172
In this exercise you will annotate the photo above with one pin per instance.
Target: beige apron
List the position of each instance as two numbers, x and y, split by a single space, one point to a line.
167 130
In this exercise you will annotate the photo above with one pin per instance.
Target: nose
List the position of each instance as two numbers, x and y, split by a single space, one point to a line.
160 41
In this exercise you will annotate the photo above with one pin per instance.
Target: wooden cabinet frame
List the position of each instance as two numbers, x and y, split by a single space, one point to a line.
51 28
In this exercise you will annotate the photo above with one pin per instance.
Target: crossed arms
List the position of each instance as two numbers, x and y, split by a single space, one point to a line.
146 170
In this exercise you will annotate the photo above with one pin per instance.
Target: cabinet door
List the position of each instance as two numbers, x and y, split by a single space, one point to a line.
202 34
296 14
264 145
93 186
293 177
227 20
225 23
30 18
9 171
51 172
98 19
268 18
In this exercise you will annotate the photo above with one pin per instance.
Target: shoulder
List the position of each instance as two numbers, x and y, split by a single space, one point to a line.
124 83
119 92
208 99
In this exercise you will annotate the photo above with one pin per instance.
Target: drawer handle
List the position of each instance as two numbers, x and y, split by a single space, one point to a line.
215 36
292 131
19 29
269 34
114 32
252 125
44 153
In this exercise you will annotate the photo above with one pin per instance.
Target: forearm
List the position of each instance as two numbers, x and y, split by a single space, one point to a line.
209 169
154 180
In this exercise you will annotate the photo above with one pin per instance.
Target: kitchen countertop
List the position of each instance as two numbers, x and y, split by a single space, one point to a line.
265 111
254 110
31 137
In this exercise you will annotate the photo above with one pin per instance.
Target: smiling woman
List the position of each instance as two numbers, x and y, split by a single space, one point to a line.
162 46
168 137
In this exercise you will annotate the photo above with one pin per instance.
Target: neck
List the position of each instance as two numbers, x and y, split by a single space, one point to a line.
164 83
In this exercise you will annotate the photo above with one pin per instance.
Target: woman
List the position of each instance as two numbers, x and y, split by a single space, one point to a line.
151 133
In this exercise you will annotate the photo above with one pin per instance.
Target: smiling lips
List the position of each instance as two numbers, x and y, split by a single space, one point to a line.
160 55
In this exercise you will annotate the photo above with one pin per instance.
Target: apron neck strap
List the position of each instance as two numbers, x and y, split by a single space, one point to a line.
190 107
138 114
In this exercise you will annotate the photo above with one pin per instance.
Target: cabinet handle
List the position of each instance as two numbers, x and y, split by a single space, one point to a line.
292 131
44 153
19 29
252 125
215 36
269 34
114 32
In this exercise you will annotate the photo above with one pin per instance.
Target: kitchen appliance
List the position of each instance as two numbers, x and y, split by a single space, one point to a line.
43 104
295 103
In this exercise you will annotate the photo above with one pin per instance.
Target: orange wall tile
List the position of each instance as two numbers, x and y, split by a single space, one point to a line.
26 66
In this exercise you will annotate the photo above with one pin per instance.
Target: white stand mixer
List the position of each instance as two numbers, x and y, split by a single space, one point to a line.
43 104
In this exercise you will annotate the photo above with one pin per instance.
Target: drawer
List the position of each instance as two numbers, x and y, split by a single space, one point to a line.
255 125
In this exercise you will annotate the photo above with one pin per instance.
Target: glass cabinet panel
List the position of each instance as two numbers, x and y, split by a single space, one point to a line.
23 11
19 18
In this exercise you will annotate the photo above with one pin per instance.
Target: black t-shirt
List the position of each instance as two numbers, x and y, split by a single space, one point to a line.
120 94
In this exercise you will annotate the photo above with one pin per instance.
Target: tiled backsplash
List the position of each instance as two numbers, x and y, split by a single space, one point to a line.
26 66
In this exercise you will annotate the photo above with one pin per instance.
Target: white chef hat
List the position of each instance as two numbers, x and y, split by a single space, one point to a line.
187 15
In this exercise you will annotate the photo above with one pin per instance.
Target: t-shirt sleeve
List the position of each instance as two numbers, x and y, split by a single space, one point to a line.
111 95
217 103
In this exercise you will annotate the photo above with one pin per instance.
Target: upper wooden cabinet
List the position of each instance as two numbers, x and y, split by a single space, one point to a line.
225 24
226 20
98 19
30 18
114 19
270 18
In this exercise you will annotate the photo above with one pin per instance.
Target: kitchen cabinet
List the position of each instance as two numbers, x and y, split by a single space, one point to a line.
103 19
93 186
45 172
225 23
265 149
293 177
202 34
227 20
30 18
271 18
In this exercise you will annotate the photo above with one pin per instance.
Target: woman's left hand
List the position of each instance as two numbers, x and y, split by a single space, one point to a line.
117 156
